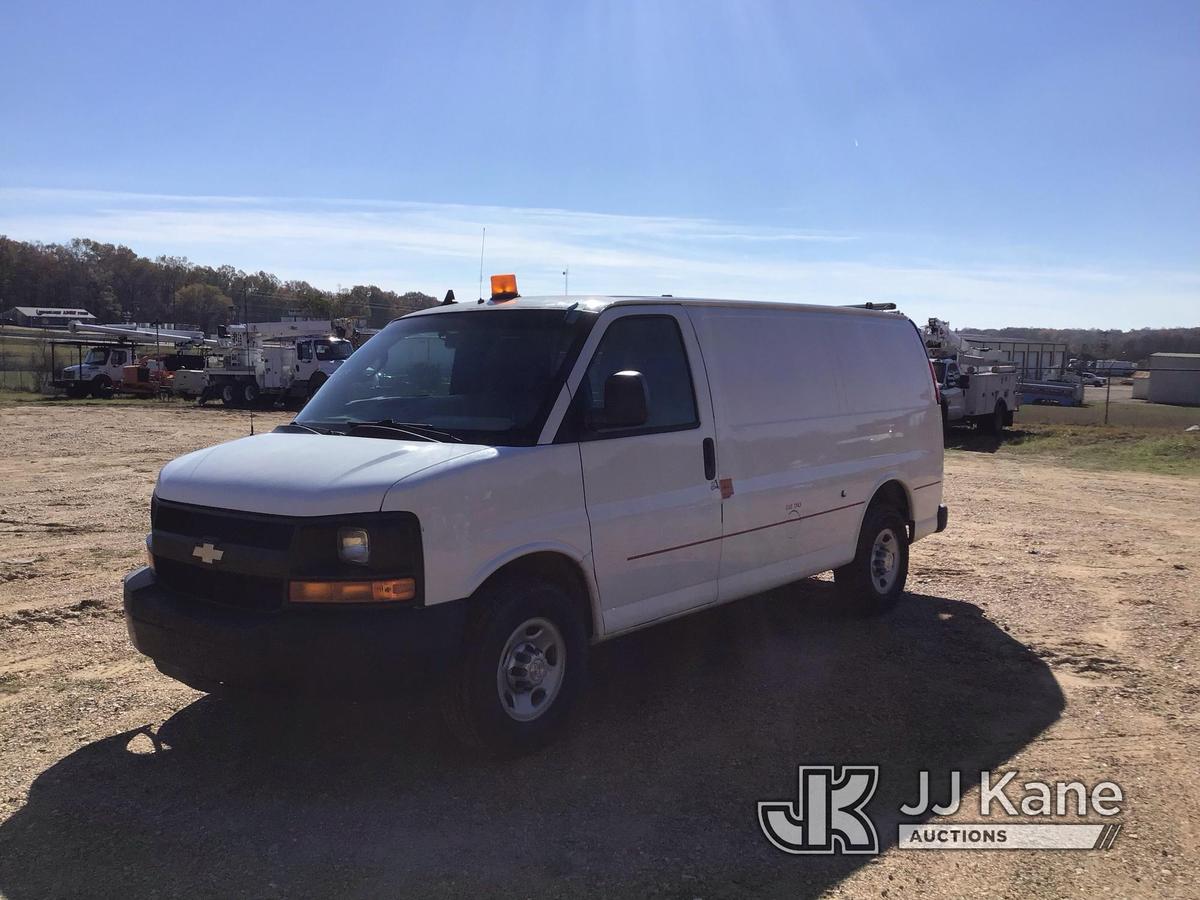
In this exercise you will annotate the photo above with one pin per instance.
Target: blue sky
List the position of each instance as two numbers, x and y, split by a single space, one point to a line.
990 163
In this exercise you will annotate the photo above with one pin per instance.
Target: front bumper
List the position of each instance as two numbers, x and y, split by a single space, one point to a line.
351 649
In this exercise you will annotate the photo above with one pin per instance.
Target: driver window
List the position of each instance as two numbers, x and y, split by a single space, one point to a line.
304 351
653 346
118 358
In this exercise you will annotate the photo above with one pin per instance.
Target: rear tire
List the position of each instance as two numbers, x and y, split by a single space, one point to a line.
994 424
250 394
524 660
874 581
231 394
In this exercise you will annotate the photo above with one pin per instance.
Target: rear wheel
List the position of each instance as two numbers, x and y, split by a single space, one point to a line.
874 580
994 424
231 394
250 394
524 661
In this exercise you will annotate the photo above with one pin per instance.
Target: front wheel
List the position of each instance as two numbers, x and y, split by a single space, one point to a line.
874 580
524 661
102 387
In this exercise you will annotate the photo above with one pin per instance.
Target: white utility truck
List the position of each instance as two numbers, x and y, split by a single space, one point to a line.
101 373
274 361
484 490
98 373
974 390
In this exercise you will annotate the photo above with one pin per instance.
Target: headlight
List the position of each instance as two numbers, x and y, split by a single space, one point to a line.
354 546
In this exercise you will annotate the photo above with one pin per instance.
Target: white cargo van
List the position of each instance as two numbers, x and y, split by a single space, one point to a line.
483 490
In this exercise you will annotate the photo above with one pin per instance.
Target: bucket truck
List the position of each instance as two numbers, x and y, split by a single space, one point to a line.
274 360
974 389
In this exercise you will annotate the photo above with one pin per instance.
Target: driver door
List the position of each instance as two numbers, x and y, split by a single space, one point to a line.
653 504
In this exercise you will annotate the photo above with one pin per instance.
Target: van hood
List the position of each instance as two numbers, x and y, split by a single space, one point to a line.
301 474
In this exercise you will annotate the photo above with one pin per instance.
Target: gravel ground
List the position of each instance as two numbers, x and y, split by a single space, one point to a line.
1051 629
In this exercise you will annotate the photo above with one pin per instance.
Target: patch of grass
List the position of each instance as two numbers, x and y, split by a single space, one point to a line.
11 398
1156 450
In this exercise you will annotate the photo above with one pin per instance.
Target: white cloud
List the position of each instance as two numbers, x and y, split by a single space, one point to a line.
432 247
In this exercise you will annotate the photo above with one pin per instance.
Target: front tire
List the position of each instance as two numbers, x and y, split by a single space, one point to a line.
874 581
524 661
102 387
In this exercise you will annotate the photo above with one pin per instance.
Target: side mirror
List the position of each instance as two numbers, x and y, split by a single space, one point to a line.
625 403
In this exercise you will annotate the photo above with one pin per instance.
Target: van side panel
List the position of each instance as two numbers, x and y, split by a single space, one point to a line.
814 411
893 428
779 424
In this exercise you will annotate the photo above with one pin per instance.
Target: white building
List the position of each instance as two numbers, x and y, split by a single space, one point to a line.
45 316
1175 378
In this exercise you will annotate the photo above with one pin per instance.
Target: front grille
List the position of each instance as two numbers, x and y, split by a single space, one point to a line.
259 553
223 588
266 532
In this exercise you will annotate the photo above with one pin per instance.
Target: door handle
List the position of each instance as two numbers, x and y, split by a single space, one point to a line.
710 459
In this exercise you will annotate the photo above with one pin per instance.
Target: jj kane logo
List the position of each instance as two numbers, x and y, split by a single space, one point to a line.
827 816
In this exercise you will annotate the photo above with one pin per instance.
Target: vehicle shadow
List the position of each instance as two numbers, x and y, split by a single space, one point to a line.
652 790
975 441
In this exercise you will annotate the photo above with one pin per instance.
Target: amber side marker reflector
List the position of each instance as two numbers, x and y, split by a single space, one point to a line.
504 287
396 589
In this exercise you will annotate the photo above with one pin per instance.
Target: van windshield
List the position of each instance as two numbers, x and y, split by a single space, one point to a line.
488 376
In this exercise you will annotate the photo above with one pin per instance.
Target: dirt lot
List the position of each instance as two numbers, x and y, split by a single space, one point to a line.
1052 630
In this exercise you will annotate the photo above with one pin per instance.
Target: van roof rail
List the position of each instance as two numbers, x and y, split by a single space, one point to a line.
884 306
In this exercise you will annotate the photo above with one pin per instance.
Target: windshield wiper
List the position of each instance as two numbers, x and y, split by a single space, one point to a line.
301 427
412 429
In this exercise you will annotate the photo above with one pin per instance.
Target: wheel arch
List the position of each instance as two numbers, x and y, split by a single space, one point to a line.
555 564
893 490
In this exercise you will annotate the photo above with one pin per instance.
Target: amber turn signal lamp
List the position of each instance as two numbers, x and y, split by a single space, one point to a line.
392 590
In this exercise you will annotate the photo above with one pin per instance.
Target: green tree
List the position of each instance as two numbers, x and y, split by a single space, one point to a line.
204 305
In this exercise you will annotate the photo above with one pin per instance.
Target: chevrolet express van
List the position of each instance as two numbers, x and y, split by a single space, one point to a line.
481 491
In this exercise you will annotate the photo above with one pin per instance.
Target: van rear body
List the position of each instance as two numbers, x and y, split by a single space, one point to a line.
482 490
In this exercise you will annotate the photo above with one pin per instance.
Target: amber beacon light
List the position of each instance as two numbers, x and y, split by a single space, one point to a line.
504 287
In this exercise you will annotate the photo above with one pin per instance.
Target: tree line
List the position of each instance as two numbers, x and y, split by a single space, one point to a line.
1135 345
117 285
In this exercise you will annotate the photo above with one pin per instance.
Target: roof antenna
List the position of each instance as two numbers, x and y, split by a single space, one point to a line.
482 244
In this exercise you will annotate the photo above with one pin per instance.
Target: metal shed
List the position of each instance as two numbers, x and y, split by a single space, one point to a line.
1175 378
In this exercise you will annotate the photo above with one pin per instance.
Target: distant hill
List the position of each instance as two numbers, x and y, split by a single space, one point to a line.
1094 343
115 284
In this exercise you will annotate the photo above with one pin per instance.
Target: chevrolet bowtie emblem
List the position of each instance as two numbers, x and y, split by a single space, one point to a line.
207 553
